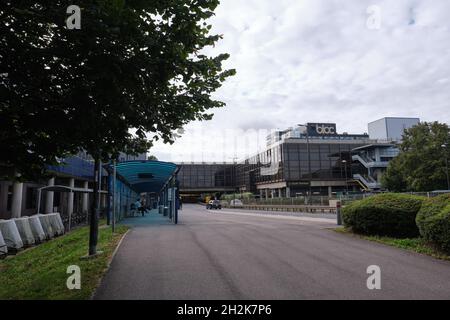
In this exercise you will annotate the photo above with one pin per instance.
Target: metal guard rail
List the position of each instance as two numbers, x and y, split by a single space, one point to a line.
288 208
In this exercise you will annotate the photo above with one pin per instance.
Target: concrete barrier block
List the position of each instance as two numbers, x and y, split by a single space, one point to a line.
11 235
36 228
3 247
23 225
56 223
47 226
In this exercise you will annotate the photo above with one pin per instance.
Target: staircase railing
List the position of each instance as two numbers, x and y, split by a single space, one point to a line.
369 182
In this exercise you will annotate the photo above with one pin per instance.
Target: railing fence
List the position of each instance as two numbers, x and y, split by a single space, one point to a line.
320 200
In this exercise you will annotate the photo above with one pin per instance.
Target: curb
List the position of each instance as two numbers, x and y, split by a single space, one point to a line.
109 264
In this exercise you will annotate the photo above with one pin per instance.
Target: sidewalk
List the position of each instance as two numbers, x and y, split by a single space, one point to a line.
151 218
214 255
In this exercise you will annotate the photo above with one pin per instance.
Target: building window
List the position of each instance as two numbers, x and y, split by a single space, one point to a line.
30 201
9 201
56 199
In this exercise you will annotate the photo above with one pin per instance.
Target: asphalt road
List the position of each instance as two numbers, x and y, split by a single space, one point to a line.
229 255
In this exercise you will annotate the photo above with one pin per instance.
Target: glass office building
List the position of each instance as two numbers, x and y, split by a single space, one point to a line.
198 178
296 162
312 158
308 159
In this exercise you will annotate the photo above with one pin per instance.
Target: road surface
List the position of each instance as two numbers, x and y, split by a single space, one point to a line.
230 254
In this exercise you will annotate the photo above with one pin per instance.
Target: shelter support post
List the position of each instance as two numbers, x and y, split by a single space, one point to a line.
49 197
16 207
70 202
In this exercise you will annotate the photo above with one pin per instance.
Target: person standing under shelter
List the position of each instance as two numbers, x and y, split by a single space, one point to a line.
137 206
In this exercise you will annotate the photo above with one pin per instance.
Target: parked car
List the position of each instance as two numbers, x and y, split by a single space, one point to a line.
236 203
213 204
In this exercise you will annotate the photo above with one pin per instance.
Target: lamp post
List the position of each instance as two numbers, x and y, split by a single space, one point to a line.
309 160
444 146
235 158
113 221
344 162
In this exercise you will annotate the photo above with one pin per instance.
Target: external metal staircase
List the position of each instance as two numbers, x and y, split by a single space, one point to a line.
370 163
367 181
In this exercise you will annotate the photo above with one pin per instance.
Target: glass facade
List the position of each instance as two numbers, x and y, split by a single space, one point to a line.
74 166
267 166
286 162
204 176
298 159
289 162
326 161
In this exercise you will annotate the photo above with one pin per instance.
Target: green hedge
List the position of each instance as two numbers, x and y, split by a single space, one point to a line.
387 214
433 221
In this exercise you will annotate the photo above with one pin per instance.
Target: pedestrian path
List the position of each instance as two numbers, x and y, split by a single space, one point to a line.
150 218
214 255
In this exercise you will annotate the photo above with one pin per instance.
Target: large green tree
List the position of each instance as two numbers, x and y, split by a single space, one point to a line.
134 66
420 165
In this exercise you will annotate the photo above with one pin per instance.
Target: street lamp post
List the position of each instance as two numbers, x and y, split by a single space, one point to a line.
114 197
345 172
446 165
235 158
309 161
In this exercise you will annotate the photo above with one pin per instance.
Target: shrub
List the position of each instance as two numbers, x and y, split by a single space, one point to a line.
433 221
387 214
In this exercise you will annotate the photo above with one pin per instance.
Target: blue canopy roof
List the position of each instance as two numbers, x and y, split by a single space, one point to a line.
145 176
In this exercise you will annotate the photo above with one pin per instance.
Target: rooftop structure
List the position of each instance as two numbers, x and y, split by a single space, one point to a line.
390 128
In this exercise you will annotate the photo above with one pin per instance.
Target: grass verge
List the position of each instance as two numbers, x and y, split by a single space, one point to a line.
417 245
40 272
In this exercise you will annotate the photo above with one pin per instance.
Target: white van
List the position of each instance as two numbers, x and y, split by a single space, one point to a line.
236 203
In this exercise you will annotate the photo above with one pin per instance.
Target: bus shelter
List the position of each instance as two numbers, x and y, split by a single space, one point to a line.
130 180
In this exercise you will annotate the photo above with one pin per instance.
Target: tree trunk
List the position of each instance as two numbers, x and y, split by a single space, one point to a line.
93 229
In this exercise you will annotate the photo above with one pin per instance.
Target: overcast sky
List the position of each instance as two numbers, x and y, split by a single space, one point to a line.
346 62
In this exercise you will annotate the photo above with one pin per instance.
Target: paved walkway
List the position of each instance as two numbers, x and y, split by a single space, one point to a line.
151 218
223 255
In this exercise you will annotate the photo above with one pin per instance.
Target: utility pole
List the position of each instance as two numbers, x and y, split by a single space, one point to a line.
93 227
309 161
234 168
345 172
114 197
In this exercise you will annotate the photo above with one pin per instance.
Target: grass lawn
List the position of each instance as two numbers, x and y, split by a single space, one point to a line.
40 272
418 245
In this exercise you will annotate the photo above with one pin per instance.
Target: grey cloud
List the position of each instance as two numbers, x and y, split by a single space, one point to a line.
314 60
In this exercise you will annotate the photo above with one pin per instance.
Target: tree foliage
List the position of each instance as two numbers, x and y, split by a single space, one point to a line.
433 221
386 214
420 165
133 65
